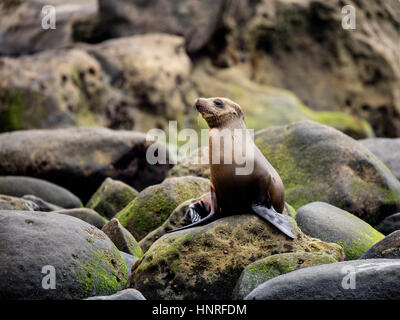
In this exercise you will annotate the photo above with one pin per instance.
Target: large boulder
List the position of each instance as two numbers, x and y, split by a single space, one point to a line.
122 238
328 223
21 30
79 159
155 204
111 197
371 279
59 88
206 262
179 218
319 163
35 244
388 150
388 248
41 204
270 267
302 46
19 186
153 69
195 20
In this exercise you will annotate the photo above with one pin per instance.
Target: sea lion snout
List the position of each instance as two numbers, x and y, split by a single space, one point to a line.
199 103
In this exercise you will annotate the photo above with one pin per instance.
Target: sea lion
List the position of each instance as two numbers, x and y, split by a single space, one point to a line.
259 190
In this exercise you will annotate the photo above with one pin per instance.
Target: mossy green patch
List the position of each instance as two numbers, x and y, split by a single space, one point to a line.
104 274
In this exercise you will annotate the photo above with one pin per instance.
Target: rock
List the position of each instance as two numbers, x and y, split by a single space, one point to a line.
122 238
153 69
20 25
389 224
350 71
59 88
12 203
319 163
205 262
85 261
388 248
19 186
270 267
328 223
111 197
196 20
127 294
79 159
42 205
388 150
372 279
178 219
88 215
154 204
129 260
195 164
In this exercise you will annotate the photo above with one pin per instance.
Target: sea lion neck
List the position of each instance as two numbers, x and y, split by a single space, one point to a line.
228 122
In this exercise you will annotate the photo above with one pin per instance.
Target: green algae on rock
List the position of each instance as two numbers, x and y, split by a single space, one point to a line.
111 197
178 219
270 267
328 223
319 163
154 204
85 261
206 262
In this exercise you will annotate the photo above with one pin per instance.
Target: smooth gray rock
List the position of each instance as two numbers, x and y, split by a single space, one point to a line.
127 294
85 261
388 248
13 203
386 149
122 238
88 215
19 186
130 260
389 224
374 279
81 158
331 224
43 206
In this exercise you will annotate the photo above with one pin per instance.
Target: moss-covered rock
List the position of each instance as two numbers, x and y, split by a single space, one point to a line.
178 218
154 204
206 262
122 238
265 269
86 262
111 197
328 223
319 163
13 203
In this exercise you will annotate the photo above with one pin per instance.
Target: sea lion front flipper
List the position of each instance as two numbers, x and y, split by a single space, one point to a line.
275 218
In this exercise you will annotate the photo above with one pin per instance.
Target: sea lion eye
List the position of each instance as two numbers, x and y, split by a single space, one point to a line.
218 104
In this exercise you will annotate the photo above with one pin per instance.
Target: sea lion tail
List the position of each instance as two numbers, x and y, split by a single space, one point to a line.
275 218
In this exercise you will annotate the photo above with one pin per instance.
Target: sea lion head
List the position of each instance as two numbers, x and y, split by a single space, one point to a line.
219 112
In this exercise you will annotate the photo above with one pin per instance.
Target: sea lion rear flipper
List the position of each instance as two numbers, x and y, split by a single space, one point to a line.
210 218
276 219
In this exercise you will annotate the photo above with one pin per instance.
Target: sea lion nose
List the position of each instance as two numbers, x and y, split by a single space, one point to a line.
197 103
